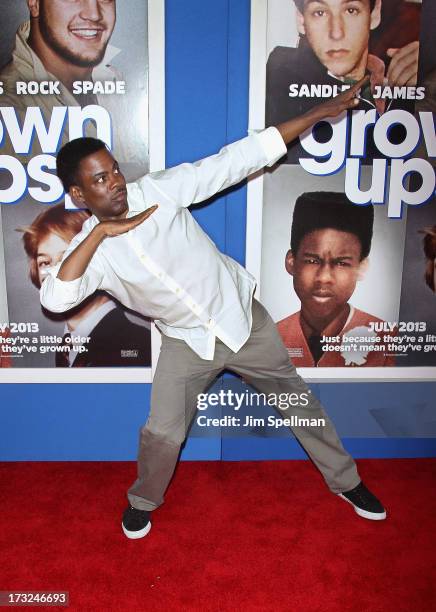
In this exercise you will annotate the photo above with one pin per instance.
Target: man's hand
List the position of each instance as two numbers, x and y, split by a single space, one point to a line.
290 130
403 69
121 226
347 99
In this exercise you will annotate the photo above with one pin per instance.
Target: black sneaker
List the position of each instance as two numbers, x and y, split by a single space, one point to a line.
365 503
136 523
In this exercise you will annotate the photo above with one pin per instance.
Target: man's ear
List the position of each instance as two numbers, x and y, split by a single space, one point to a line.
300 22
289 262
363 267
33 8
76 195
375 15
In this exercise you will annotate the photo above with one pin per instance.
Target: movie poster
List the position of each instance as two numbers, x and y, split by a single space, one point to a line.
341 233
68 70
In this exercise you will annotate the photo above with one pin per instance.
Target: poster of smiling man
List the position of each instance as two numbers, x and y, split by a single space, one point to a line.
70 69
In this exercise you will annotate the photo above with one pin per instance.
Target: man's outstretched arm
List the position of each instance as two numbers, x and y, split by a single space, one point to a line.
188 184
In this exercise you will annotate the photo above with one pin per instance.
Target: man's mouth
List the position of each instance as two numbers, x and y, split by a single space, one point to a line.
121 195
337 53
322 296
87 33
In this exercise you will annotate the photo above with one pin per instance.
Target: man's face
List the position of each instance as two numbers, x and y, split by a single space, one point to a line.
338 32
51 249
76 30
325 268
101 186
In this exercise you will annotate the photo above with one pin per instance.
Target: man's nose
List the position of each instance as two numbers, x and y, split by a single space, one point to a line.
336 27
90 10
117 182
325 273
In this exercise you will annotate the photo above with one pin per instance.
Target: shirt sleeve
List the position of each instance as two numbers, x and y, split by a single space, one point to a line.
57 295
188 184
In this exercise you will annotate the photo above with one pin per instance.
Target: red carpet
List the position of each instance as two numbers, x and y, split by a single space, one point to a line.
231 536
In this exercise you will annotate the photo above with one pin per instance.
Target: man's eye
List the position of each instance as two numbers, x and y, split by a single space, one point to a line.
100 179
43 264
311 260
352 11
318 13
116 170
343 264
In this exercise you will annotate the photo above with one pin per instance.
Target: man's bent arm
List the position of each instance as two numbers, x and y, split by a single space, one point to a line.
81 272
74 265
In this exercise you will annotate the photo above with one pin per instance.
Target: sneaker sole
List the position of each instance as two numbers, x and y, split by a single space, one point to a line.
136 535
372 516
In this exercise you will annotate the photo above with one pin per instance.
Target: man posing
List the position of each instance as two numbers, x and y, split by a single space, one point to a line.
201 299
330 243
333 50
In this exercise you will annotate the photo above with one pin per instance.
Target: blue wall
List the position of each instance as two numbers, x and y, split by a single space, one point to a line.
207 54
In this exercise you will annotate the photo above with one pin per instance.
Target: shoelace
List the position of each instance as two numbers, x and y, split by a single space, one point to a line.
364 499
137 512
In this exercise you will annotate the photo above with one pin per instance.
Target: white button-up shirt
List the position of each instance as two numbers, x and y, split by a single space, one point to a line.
167 268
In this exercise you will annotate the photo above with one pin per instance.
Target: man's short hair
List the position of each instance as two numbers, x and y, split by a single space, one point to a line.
55 220
429 244
71 154
300 4
316 210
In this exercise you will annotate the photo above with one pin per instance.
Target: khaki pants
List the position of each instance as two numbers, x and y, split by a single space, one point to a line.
263 362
